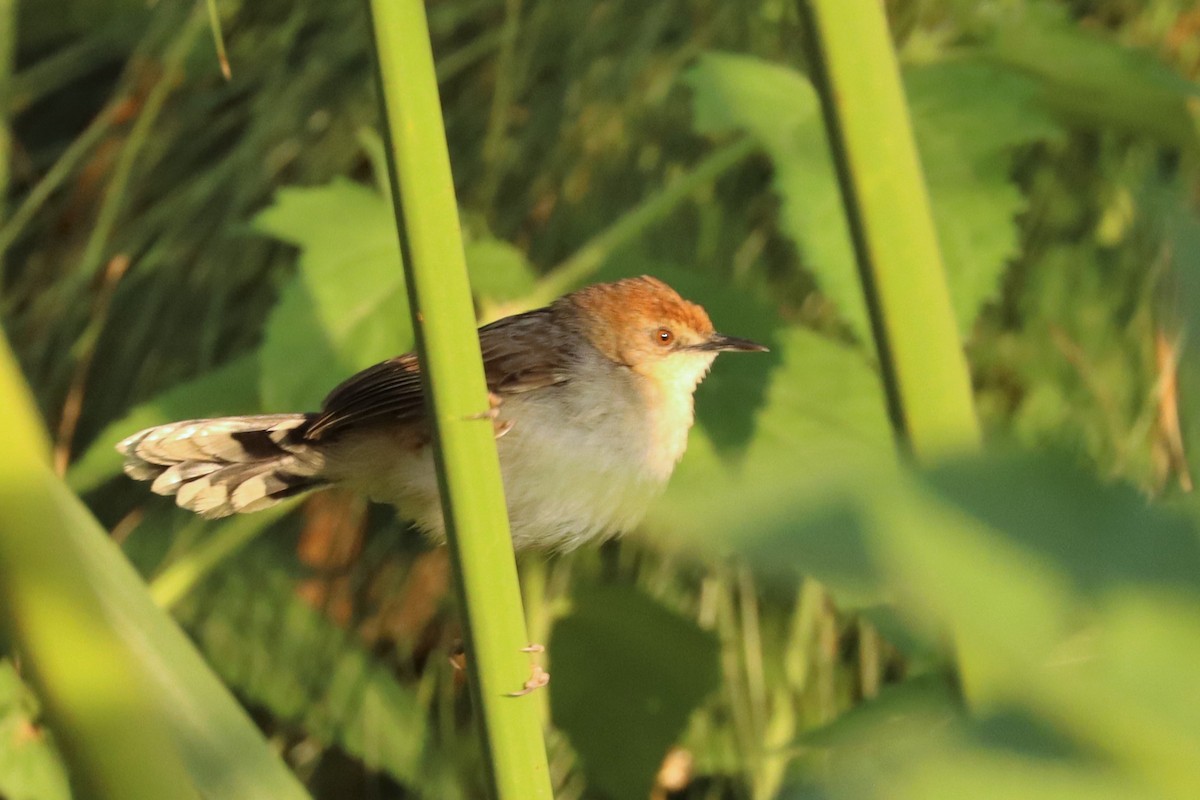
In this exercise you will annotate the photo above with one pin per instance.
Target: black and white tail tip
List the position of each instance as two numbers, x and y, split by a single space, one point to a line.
230 465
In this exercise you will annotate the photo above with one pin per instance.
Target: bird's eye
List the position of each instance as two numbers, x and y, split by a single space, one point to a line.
664 336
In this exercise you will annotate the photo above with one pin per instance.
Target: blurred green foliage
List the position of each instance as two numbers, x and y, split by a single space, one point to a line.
792 552
30 766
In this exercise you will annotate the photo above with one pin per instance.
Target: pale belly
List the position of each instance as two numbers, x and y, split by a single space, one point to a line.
588 477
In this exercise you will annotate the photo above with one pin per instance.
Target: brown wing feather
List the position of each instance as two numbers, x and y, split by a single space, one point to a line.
519 354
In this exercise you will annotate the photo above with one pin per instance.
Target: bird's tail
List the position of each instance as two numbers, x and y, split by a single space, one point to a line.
230 465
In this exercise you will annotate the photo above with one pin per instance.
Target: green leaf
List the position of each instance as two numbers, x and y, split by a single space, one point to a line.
1090 599
823 419
1068 599
1092 81
229 389
627 675
499 271
779 107
30 766
916 741
347 308
967 116
1071 603
279 652
144 714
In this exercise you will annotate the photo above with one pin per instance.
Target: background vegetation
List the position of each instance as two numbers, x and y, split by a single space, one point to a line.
179 244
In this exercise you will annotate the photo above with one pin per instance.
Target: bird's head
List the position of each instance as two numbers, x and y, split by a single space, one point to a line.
645 325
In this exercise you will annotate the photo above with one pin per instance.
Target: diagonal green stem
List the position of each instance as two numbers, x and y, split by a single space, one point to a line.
568 274
177 580
465 453
61 170
140 713
139 135
8 45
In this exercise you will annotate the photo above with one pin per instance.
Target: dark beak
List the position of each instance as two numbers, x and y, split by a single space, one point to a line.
719 342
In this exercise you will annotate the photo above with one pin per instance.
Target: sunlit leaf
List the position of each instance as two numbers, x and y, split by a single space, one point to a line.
498 270
224 753
1093 81
347 307
779 107
1073 601
917 741
967 117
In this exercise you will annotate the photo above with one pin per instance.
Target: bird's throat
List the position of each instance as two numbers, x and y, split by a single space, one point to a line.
668 389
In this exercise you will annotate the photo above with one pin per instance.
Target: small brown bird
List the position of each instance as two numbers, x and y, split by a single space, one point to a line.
592 402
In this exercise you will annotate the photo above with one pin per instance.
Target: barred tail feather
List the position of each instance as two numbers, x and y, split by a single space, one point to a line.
230 465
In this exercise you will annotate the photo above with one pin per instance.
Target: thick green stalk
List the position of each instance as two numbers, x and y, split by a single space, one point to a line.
925 372
468 469
139 712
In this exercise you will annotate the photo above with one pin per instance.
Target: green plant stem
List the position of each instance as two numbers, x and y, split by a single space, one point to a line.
465 453
586 260
925 373
502 97
453 64
139 135
214 24
176 581
924 369
70 62
8 44
62 169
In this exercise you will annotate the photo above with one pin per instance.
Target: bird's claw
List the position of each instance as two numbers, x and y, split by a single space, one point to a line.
493 410
493 413
537 679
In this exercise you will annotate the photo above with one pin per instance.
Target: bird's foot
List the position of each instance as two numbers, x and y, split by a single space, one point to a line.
537 679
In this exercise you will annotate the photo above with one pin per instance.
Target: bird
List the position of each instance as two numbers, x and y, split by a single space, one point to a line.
591 399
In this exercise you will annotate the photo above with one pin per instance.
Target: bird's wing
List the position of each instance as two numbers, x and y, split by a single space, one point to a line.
519 355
